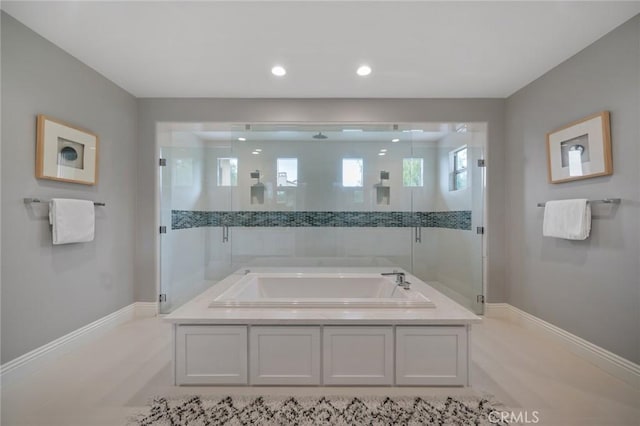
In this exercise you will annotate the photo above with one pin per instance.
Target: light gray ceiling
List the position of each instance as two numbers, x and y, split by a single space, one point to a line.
416 49
402 133
332 136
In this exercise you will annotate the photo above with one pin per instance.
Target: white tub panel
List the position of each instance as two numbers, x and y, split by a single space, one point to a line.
358 355
431 355
211 355
284 355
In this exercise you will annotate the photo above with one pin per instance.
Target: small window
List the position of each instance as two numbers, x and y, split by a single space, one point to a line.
412 172
352 172
227 172
459 169
287 171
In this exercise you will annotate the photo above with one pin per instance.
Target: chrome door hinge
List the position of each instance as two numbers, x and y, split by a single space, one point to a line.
162 297
480 230
481 162
480 298
162 162
163 229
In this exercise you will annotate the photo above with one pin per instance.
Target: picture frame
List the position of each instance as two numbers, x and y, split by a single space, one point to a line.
580 150
65 152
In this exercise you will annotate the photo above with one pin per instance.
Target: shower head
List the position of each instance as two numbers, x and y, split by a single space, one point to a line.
320 136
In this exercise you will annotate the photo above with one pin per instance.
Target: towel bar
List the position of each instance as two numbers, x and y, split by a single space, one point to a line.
603 201
38 200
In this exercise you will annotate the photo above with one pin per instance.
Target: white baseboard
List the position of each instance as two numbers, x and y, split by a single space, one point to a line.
497 310
33 360
615 365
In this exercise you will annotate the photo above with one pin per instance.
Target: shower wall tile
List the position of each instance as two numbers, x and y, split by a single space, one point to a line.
184 219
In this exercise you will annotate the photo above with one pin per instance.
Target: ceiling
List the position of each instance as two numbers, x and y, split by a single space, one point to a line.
331 136
334 132
416 49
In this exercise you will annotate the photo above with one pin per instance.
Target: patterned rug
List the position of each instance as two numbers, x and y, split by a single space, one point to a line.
263 410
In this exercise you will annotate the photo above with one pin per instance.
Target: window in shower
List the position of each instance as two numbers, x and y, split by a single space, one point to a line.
287 169
227 172
352 172
458 161
412 172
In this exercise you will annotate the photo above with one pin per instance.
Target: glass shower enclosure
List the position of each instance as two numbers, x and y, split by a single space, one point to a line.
404 195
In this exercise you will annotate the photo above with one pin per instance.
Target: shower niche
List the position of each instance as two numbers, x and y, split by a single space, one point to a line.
257 189
383 190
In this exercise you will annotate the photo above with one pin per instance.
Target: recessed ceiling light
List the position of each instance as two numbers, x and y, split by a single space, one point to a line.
364 70
255 153
382 153
241 139
259 149
395 140
383 150
278 71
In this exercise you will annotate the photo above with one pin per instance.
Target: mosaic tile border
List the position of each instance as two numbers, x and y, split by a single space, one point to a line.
184 219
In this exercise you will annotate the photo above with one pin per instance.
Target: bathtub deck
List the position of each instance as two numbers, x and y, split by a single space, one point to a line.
446 311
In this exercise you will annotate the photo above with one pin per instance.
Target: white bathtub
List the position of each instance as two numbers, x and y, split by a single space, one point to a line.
319 290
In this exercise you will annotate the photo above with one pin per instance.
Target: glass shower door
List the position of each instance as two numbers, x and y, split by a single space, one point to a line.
165 227
420 183
222 180
193 255
448 253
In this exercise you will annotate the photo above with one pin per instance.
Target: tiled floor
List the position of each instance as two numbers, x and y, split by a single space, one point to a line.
107 381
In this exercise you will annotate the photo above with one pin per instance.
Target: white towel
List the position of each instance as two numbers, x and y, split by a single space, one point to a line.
73 220
568 219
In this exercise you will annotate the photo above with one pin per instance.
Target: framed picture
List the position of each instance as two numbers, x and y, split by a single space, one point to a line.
66 153
580 150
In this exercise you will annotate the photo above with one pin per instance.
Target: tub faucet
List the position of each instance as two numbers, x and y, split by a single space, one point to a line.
399 279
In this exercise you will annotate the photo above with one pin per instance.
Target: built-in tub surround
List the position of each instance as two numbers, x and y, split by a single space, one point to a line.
317 345
319 290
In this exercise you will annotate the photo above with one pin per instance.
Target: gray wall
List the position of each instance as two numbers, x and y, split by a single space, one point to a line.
151 111
590 288
49 291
